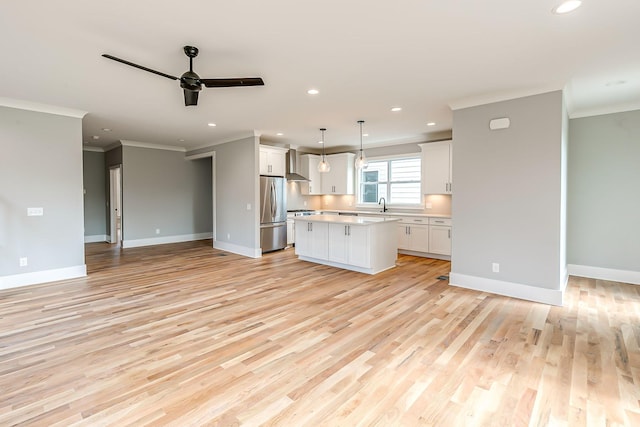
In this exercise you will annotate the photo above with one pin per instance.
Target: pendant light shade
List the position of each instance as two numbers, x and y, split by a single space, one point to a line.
361 160
323 166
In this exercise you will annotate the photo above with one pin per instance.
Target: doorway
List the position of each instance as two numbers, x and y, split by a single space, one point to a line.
115 205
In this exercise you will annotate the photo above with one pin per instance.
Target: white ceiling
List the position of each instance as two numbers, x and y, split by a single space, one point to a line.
363 56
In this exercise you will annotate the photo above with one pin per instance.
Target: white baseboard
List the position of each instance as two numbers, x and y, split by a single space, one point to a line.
95 239
237 249
33 278
165 239
612 274
509 289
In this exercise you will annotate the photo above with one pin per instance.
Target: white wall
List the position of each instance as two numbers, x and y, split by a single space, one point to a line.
40 167
508 201
604 197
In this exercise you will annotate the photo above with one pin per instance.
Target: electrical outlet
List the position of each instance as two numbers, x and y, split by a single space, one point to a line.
248 206
428 205
304 203
157 231
228 236
23 261
495 267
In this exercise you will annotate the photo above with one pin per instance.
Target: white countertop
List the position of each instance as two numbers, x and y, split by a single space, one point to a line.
400 214
349 220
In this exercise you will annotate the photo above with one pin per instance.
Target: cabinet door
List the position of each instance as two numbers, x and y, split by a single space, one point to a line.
309 169
264 162
403 236
359 251
272 161
290 231
436 167
319 240
419 238
440 239
338 243
339 180
277 160
303 238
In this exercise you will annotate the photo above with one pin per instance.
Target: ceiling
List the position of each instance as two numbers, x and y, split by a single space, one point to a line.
425 56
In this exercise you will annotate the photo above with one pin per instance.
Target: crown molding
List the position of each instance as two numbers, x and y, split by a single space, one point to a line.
41 108
491 98
137 144
93 149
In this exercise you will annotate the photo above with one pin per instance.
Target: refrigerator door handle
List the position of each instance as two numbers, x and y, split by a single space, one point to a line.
274 201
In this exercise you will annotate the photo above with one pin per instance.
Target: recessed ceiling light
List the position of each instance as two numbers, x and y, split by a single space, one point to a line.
567 6
212 125
279 133
431 124
181 140
321 142
95 137
106 130
396 109
365 134
313 91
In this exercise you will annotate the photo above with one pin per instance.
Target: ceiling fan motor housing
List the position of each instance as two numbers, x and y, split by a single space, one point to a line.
190 81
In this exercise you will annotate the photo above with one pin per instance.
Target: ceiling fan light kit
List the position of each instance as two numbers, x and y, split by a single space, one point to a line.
190 82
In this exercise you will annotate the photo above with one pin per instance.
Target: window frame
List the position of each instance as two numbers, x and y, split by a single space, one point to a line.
388 160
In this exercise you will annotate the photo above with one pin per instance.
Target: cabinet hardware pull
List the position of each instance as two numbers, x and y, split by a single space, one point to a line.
449 232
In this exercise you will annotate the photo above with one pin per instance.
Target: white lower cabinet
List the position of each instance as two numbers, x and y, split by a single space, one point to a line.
312 239
440 236
413 234
290 231
349 245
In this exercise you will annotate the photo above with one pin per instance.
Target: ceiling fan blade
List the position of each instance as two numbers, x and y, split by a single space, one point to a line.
233 82
140 67
190 97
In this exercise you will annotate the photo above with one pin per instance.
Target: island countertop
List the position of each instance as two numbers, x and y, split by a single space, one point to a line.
347 220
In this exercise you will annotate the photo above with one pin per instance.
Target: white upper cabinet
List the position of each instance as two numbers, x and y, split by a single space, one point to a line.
436 167
272 160
340 179
309 169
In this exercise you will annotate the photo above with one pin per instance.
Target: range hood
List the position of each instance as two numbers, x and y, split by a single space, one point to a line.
291 174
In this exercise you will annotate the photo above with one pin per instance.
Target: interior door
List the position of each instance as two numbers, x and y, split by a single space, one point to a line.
115 204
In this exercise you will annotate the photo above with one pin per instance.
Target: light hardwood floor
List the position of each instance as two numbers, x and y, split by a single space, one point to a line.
186 335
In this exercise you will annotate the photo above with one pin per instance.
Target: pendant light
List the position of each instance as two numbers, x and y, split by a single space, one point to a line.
361 160
323 166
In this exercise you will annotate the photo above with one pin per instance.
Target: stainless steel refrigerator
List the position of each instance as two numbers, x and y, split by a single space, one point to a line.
273 213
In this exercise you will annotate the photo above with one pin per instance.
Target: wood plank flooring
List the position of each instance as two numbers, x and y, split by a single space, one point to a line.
185 335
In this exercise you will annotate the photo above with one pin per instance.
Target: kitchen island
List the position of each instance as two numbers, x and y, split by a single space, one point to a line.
364 244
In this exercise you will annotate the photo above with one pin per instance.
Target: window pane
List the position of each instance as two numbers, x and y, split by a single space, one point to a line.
381 168
369 193
405 193
405 170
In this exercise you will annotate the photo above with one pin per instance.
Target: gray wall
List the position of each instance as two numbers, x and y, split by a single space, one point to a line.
95 193
604 191
237 184
162 190
40 166
508 199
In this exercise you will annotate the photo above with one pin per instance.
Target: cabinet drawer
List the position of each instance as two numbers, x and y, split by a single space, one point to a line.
440 221
414 220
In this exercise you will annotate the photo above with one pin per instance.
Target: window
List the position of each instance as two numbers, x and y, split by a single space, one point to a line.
397 180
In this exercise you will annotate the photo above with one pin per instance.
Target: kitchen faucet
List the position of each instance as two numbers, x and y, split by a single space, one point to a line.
384 204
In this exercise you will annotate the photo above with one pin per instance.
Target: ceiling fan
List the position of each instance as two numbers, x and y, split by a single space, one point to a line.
191 82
